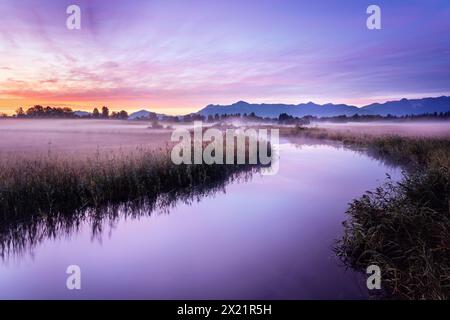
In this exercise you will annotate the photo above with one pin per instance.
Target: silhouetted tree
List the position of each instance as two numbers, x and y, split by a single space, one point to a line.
105 112
35 112
198 117
95 113
119 115
47 112
123 115
20 113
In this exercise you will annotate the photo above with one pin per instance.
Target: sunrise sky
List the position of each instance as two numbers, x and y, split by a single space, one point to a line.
178 56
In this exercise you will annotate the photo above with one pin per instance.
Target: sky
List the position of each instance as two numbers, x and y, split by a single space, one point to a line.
178 56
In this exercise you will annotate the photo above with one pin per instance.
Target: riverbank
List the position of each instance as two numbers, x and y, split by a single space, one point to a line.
403 227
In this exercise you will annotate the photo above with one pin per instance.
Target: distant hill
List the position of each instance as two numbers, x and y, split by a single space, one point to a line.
406 107
142 115
274 110
82 114
397 108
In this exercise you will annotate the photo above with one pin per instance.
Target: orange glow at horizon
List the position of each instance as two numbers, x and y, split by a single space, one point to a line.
167 106
10 106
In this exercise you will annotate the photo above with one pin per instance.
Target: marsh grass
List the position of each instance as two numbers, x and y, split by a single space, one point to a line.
47 184
411 152
19 236
403 227
50 193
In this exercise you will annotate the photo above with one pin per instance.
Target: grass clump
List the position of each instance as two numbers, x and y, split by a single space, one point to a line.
49 184
19 236
408 151
403 227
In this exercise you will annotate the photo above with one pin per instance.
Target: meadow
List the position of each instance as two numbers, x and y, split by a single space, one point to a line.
74 138
382 128
53 166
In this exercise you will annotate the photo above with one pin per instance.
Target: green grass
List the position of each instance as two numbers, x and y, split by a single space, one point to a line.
403 227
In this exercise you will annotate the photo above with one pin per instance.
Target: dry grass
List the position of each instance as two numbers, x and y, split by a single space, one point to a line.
50 183
48 166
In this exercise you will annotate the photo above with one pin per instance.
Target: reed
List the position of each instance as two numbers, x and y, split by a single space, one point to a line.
404 226
47 184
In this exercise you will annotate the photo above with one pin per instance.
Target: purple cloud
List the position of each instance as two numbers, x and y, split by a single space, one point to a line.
192 53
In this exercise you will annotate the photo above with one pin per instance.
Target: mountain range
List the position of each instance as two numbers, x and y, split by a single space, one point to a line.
396 108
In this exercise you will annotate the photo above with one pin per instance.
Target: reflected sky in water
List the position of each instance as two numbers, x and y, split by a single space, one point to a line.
267 238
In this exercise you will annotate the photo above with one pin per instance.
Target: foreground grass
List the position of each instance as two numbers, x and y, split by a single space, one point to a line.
19 236
50 184
403 227
49 194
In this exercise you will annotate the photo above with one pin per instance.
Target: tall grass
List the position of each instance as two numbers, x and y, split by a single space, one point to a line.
408 151
403 227
48 184
17 236
45 195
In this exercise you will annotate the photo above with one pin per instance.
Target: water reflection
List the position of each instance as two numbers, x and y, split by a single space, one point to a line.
270 237
18 236
386 159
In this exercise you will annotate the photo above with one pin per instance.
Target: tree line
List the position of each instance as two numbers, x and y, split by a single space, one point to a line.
39 111
388 117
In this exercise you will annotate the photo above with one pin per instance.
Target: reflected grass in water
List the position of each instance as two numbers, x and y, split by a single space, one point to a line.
48 184
46 196
19 236
409 152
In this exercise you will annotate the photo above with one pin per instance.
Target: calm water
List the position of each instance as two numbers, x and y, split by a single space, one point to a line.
267 238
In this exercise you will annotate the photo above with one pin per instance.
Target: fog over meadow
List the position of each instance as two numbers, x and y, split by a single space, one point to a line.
80 136
412 129
77 136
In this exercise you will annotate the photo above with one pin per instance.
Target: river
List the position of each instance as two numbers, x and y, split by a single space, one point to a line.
270 237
